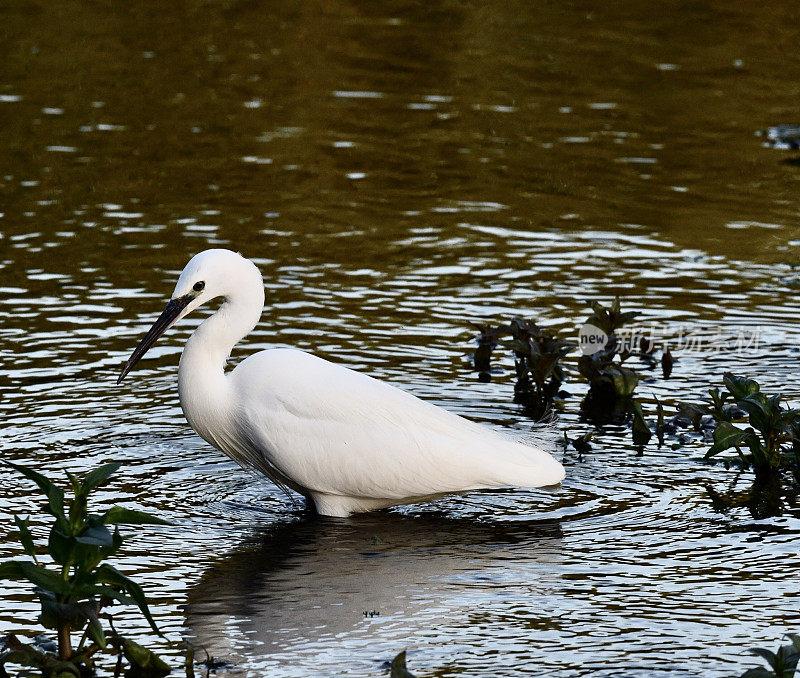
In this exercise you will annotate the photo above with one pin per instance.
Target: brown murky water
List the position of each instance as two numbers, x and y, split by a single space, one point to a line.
397 171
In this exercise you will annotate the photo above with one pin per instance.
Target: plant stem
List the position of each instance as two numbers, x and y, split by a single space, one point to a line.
64 643
82 641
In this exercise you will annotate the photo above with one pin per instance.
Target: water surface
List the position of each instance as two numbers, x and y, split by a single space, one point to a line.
397 173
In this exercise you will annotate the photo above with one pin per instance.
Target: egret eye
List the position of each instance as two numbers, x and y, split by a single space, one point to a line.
198 286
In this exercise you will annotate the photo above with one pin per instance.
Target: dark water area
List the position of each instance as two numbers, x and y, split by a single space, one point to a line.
397 171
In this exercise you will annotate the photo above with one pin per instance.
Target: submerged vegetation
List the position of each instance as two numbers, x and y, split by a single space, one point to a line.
75 585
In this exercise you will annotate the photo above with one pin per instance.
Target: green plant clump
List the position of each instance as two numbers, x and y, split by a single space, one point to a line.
607 377
612 384
773 434
538 356
537 361
79 585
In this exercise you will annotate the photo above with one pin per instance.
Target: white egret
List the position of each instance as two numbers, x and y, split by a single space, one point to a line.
345 441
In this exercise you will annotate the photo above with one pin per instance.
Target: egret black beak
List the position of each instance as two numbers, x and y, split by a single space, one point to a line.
165 320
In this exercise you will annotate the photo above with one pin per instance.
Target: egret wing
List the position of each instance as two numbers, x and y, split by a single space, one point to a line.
336 431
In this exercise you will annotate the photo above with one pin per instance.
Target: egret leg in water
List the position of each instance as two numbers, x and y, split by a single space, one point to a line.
345 441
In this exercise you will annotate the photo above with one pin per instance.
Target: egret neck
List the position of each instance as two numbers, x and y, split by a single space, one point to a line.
205 395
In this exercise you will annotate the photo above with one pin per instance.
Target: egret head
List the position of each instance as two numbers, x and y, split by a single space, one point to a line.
208 275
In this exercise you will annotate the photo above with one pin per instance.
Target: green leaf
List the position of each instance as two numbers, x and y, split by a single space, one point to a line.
146 662
88 556
610 319
55 615
726 436
107 574
122 516
767 655
399 669
740 387
110 593
36 574
116 542
544 367
719 409
77 510
25 536
95 533
641 431
75 482
95 630
100 475
625 318
622 379
55 495
60 546
789 655
760 456
764 413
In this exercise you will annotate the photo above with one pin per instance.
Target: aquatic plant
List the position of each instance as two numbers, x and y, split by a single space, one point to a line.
782 664
488 338
580 444
640 430
537 361
765 435
75 592
608 379
611 383
773 434
538 355
610 319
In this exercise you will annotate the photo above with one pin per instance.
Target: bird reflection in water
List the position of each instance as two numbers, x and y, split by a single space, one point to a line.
313 592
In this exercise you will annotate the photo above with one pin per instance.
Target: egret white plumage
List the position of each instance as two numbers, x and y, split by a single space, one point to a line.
345 441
